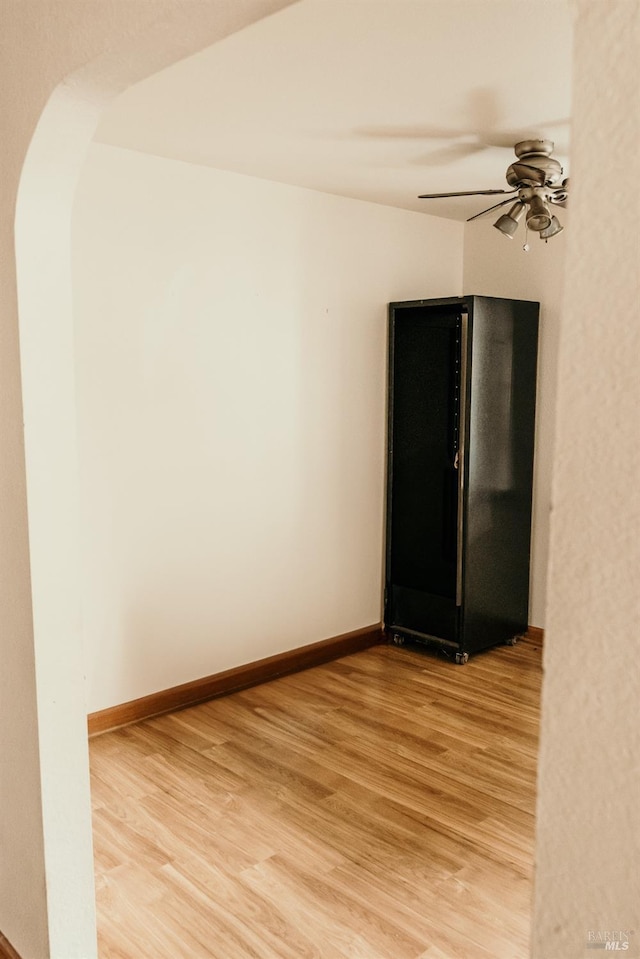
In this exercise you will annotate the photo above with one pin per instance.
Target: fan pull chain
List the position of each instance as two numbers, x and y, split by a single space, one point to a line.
526 246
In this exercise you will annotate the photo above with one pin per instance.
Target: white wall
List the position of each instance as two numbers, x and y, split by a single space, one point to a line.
496 266
588 846
231 352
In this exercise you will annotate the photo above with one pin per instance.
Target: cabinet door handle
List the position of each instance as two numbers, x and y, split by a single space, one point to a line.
460 456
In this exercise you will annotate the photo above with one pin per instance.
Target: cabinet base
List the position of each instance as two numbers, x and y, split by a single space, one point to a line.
399 635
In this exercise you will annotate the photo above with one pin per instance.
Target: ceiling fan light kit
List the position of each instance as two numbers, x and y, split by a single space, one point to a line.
538 216
536 179
553 229
508 222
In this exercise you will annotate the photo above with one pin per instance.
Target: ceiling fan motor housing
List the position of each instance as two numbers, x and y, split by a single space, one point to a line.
536 154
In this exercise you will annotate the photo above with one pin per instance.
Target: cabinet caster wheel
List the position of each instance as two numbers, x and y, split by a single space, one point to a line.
397 639
511 641
462 658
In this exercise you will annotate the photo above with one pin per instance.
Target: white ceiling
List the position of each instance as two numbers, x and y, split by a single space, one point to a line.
375 99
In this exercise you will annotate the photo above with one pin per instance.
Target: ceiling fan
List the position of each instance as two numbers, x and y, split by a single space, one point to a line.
536 178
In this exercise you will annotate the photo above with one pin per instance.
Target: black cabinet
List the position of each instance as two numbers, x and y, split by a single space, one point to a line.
462 385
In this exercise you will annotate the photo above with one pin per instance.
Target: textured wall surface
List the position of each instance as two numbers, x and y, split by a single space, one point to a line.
587 876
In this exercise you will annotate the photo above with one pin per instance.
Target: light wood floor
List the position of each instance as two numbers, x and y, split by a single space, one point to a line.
378 807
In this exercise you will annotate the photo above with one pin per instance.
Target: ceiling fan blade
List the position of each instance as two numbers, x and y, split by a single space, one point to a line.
408 133
444 155
489 209
438 196
528 173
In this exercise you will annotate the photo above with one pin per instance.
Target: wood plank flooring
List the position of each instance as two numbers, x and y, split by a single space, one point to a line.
377 807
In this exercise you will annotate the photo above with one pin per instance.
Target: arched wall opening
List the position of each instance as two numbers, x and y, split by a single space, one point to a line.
128 42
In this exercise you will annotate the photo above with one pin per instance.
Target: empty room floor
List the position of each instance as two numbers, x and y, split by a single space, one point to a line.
377 807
